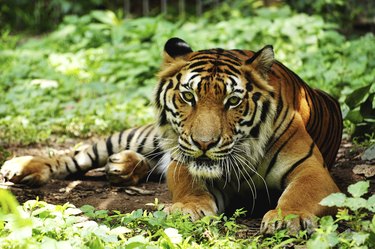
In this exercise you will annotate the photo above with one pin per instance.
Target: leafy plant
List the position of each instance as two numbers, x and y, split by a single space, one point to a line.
361 110
42 225
95 74
354 213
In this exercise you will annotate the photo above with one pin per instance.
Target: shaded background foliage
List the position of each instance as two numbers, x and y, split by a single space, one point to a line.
78 68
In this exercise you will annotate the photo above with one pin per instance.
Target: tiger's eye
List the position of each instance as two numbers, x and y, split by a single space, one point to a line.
187 96
234 100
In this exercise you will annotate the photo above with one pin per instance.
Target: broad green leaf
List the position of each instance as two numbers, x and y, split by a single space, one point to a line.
334 200
371 203
372 88
366 108
327 221
358 189
355 203
358 96
354 116
319 242
360 238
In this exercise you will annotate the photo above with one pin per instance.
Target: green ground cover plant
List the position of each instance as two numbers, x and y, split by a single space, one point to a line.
95 73
37 224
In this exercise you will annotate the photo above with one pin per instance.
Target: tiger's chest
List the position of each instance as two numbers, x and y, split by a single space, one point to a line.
239 190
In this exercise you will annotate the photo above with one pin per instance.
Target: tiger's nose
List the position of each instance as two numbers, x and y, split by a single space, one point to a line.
205 144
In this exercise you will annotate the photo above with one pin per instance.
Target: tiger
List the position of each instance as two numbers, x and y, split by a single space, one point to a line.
234 129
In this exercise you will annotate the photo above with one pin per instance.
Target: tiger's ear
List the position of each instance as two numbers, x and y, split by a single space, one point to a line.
175 48
262 60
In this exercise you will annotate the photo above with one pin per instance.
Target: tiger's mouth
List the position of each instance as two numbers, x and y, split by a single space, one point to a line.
205 167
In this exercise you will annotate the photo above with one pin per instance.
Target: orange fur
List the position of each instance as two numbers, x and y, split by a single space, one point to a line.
189 195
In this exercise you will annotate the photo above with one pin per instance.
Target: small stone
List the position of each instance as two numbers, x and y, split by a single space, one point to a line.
369 154
364 169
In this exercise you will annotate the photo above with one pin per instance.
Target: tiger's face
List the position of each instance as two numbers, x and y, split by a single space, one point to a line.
218 107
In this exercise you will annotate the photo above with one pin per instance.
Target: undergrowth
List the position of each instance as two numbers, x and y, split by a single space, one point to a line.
95 74
37 224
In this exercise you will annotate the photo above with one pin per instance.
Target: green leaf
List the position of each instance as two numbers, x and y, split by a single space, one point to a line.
328 222
371 203
106 17
360 238
354 116
358 96
366 109
358 189
355 203
334 200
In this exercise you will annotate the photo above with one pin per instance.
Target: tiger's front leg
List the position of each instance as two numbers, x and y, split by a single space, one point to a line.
127 168
306 186
189 195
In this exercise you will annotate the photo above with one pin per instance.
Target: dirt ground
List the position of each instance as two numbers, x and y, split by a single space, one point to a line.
93 189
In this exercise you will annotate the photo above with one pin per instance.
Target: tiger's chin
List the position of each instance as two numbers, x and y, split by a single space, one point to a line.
206 170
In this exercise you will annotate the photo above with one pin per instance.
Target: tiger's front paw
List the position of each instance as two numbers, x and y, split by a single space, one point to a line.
30 170
293 221
126 168
196 209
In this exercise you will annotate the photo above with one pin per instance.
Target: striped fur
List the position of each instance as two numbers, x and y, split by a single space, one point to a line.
235 129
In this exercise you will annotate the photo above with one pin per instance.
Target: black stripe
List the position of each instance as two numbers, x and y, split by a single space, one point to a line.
76 164
185 148
163 118
174 114
120 138
193 77
158 93
142 143
240 51
109 145
274 158
178 77
169 86
202 57
232 68
174 102
92 160
198 63
255 98
96 155
246 111
295 165
272 138
225 151
198 70
255 131
279 107
265 110
232 58
50 167
251 121
67 168
129 138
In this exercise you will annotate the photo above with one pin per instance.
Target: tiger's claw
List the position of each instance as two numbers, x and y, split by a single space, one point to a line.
196 210
293 221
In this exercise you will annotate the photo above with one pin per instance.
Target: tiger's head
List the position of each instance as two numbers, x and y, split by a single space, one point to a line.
215 107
